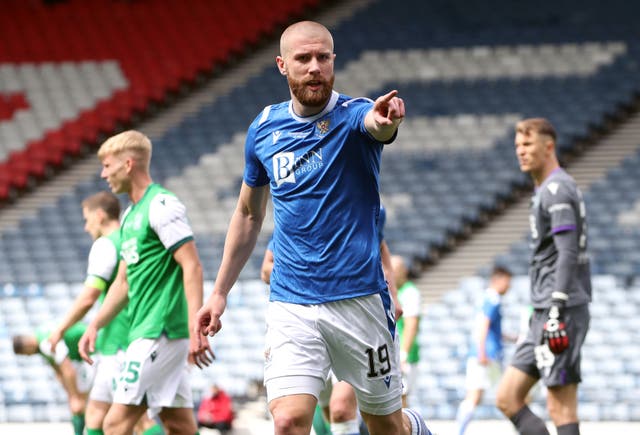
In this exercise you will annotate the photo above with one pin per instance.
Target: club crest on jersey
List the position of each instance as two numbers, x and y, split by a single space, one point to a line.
323 127
134 223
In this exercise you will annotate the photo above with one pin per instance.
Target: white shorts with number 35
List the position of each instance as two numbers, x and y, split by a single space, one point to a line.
108 372
157 369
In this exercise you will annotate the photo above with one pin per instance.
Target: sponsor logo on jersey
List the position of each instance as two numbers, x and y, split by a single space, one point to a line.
286 165
553 187
298 134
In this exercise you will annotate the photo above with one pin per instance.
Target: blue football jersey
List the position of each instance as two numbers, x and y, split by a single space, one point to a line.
489 308
323 172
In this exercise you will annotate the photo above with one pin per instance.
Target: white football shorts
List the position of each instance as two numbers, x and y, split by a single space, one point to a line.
107 374
156 369
482 377
409 376
85 373
353 337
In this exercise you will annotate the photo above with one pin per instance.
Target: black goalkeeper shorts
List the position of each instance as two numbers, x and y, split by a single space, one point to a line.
533 356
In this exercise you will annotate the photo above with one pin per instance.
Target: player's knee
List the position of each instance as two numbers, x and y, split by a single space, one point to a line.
111 425
285 423
77 404
342 412
504 401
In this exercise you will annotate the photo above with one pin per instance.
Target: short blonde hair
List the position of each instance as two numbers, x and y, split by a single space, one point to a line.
307 28
128 141
541 126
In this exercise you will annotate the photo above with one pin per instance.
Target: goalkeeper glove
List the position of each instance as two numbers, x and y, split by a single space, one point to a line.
554 328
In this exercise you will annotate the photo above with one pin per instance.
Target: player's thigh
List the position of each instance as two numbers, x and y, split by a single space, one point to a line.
121 419
178 421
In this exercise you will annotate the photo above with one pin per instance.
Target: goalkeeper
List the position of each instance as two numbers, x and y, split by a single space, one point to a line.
560 290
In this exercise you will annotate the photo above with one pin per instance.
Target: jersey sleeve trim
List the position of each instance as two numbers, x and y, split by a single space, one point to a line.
96 282
265 114
175 247
562 229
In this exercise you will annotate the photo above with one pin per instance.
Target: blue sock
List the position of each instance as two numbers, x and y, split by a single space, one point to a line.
418 426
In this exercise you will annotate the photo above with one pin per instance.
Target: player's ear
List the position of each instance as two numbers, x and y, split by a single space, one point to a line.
281 66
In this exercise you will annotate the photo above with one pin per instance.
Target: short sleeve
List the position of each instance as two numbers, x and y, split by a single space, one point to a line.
254 172
168 218
103 260
410 302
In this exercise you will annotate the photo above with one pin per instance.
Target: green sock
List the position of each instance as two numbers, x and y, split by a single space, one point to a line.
95 431
319 425
77 420
156 429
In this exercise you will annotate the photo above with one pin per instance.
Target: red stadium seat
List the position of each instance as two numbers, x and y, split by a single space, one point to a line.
158 46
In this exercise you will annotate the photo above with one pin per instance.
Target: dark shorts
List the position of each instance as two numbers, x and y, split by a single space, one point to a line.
533 356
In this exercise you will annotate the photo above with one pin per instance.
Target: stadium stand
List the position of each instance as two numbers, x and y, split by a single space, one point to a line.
466 72
71 72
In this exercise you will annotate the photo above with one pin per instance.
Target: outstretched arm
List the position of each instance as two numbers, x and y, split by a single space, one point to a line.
244 228
385 116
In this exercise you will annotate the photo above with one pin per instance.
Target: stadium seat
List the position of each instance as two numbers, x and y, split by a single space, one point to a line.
466 80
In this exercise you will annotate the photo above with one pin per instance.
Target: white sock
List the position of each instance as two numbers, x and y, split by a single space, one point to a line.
464 415
349 427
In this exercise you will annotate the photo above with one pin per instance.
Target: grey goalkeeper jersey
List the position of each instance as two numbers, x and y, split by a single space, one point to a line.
557 208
